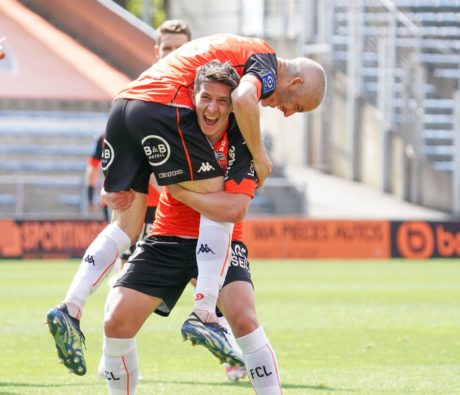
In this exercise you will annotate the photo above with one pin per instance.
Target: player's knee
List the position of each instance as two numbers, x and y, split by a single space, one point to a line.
244 323
116 326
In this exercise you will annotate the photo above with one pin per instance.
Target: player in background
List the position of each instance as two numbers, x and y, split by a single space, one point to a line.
163 263
92 172
152 128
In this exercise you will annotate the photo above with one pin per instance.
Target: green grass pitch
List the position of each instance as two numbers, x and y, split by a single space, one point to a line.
339 327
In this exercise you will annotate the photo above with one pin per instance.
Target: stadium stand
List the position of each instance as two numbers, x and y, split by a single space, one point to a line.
43 157
438 23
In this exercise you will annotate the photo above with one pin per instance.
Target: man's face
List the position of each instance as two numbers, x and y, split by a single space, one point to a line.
288 102
213 106
169 42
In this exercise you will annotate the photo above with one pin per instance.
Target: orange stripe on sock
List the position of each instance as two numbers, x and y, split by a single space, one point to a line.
276 367
127 375
226 255
104 272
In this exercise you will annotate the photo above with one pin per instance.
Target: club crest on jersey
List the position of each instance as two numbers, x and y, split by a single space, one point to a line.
268 83
107 155
157 149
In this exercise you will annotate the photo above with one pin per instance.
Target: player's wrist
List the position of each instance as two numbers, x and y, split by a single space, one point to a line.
90 194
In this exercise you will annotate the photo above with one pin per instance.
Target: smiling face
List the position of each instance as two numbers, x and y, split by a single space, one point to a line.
213 106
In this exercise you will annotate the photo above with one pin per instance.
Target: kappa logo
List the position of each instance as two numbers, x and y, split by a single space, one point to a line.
205 249
205 167
90 259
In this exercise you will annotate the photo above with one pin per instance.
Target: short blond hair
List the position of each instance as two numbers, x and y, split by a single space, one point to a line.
174 26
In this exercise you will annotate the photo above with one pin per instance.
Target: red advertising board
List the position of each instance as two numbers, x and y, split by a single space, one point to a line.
47 239
304 238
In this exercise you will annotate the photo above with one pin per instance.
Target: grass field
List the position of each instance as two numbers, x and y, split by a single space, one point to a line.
369 327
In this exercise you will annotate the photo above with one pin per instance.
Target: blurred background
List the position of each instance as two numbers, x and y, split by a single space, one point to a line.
385 143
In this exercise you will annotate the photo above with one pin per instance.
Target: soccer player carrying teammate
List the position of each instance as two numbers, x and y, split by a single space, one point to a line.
164 262
153 128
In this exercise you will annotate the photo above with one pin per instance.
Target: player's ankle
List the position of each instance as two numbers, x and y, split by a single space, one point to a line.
74 310
205 315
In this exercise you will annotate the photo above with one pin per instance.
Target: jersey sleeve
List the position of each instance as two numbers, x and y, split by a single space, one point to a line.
264 67
240 175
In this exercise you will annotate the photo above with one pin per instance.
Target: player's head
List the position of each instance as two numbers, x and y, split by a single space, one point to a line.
214 83
172 34
301 86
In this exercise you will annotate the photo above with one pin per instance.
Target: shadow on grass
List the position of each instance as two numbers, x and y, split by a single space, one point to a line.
242 384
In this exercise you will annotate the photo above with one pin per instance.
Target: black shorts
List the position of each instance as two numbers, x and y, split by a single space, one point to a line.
145 137
162 266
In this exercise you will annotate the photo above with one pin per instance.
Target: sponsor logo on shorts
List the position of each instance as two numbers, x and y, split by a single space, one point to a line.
171 173
107 155
157 149
205 167
199 296
239 256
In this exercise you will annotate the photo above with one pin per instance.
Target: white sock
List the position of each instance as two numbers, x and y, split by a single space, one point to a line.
96 264
121 365
213 256
261 363
231 338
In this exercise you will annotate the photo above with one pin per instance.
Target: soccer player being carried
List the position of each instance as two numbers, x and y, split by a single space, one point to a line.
164 262
153 128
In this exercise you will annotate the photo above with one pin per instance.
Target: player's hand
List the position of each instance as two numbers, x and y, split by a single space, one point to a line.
92 208
263 167
118 201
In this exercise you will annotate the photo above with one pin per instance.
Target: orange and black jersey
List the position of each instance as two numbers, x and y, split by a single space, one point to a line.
174 218
170 80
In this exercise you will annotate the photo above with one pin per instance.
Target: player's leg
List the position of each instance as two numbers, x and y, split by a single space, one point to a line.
237 301
233 373
123 171
128 310
148 222
154 279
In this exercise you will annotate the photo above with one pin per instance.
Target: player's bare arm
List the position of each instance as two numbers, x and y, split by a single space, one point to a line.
218 206
247 114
